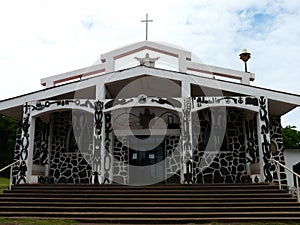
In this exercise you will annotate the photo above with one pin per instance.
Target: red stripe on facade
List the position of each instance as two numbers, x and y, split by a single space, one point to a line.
78 76
217 74
143 48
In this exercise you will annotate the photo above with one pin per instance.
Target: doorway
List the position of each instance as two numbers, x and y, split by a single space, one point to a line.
146 160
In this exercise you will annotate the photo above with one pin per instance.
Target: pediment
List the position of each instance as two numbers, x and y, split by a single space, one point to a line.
166 57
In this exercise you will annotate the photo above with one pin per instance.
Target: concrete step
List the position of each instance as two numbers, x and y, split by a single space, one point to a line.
147 204
154 200
149 187
159 204
173 221
148 208
149 195
134 214
147 191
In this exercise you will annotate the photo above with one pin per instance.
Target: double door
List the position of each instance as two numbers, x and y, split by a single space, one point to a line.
146 160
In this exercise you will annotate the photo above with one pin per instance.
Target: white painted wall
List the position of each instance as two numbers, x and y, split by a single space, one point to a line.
292 157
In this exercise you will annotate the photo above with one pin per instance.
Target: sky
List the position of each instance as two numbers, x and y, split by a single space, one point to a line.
41 38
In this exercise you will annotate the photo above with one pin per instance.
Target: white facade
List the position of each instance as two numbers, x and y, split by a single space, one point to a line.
292 158
221 129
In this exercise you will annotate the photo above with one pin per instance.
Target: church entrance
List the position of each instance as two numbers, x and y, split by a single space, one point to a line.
146 160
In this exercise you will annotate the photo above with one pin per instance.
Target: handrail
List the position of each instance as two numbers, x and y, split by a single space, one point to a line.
291 171
10 165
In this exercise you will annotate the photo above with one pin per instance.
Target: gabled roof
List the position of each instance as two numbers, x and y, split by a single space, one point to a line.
279 102
181 59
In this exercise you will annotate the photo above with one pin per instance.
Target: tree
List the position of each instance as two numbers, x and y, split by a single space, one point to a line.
291 137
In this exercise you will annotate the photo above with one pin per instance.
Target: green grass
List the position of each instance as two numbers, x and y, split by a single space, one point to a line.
4 183
256 223
4 221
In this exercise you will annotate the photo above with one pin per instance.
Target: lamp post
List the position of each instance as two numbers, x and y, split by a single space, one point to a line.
245 56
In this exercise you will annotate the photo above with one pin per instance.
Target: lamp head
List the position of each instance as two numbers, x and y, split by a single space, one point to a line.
245 56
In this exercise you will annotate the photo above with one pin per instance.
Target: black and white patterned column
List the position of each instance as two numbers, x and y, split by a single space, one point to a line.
107 154
21 175
264 140
96 155
186 140
17 150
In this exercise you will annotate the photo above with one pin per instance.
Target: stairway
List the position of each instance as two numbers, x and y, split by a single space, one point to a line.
165 204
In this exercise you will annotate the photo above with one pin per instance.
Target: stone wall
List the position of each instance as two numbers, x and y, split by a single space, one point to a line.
67 165
120 160
226 163
277 148
172 151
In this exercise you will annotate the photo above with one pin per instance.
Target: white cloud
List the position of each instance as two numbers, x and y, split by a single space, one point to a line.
43 38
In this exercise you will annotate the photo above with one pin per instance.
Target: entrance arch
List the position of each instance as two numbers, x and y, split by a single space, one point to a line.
220 152
143 154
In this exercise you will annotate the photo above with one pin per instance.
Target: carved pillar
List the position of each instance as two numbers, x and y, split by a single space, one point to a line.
23 171
17 151
97 144
263 132
107 153
186 140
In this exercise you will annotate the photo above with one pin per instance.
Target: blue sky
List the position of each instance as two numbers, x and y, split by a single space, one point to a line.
41 38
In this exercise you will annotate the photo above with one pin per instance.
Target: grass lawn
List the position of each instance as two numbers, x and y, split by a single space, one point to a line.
256 223
4 183
4 221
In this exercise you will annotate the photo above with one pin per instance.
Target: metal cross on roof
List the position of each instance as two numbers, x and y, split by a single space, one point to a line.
146 21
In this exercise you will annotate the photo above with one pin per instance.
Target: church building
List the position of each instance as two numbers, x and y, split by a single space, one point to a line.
149 113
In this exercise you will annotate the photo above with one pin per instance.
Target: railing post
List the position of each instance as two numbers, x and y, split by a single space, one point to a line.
10 177
10 174
297 176
278 175
297 189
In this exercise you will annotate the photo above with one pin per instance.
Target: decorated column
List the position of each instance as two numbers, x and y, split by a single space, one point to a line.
97 144
23 171
107 151
102 151
264 144
186 140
